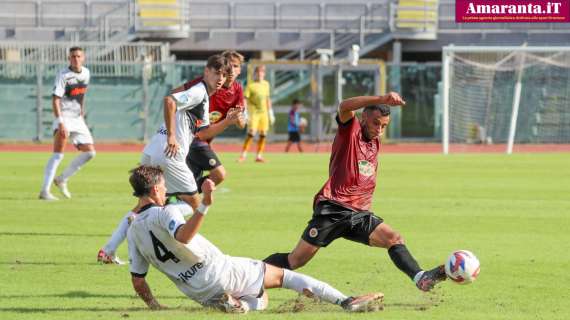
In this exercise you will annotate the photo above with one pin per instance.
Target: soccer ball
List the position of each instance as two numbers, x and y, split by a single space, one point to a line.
462 266
303 122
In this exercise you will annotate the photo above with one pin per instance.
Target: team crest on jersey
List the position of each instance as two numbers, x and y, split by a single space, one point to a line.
212 162
171 225
365 168
215 116
313 232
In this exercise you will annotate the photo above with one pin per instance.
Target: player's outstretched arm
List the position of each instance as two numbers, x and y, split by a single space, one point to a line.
233 117
347 107
143 291
186 232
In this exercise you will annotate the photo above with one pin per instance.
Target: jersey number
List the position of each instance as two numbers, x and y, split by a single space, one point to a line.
161 251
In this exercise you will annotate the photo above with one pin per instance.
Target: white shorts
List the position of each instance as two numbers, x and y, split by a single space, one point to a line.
178 177
244 281
77 130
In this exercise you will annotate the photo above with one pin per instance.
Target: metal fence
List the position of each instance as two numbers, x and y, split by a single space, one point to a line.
129 107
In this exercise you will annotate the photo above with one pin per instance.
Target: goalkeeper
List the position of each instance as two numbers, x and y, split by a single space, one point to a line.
260 113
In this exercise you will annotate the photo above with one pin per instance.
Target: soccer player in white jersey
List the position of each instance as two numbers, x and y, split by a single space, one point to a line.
68 108
186 114
160 236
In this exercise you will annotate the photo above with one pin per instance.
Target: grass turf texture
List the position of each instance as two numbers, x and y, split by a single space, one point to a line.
511 211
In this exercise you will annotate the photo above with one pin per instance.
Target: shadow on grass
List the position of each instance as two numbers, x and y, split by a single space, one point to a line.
46 263
47 234
79 295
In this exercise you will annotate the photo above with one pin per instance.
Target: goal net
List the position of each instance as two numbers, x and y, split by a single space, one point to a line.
506 96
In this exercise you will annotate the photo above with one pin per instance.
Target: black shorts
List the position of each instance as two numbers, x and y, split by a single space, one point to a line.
294 136
331 221
200 159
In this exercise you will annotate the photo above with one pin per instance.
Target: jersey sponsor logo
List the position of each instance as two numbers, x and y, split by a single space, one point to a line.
313 232
171 225
188 274
77 91
365 168
215 116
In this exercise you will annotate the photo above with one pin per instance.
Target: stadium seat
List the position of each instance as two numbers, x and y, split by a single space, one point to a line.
417 14
159 13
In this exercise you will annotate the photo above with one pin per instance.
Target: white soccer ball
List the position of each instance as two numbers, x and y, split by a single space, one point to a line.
462 267
303 122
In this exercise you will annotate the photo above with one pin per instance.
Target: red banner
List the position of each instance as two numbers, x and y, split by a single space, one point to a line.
542 11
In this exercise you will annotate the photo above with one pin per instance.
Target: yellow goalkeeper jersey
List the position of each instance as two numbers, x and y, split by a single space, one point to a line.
257 93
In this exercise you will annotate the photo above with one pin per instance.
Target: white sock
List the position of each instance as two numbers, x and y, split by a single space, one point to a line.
118 235
418 276
297 281
51 168
76 164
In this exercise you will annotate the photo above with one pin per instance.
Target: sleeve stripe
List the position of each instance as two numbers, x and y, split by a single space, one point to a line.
138 275
176 231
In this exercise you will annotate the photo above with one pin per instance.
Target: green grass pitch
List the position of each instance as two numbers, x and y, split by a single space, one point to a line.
513 212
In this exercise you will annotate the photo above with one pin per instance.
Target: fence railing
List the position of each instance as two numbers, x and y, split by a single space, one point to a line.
129 107
95 52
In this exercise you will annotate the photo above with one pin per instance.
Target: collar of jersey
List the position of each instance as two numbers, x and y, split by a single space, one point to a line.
146 207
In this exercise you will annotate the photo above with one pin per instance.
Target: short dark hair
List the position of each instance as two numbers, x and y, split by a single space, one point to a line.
143 178
219 63
296 101
383 109
72 49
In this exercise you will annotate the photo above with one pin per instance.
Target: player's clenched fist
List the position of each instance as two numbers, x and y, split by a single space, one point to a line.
392 99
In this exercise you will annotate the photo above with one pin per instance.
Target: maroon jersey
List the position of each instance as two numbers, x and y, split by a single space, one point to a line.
220 102
352 168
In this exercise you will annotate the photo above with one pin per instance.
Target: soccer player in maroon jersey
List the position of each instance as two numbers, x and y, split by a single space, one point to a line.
341 207
201 157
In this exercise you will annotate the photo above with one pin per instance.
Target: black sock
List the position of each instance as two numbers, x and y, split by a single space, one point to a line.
279 260
200 181
403 259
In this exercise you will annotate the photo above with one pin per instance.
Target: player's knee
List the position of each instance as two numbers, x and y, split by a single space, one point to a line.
90 154
296 262
395 238
218 174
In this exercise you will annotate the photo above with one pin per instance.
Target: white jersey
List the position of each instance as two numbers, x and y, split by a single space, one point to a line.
192 113
199 269
71 86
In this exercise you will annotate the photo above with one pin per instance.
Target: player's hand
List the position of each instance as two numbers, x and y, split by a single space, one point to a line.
233 115
271 116
157 306
62 131
241 119
172 147
208 188
393 99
